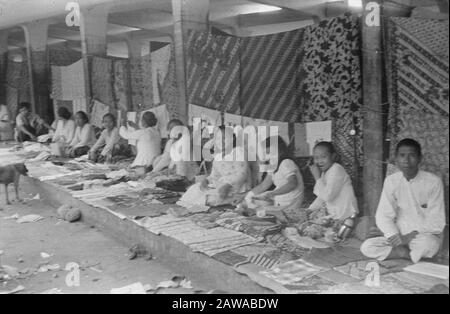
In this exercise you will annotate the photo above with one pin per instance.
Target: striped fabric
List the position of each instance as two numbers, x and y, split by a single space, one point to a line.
213 71
269 80
418 71
170 93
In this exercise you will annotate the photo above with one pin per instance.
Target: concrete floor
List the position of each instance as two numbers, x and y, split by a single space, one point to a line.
22 245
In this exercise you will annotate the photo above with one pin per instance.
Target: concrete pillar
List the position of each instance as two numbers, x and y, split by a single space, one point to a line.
136 79
93 30
3 56
372 97
36 35
187 14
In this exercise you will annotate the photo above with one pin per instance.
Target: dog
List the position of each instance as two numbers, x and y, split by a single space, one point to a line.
11 175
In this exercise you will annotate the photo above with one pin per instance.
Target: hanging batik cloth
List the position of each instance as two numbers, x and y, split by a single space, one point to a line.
269 78
331 84
213 71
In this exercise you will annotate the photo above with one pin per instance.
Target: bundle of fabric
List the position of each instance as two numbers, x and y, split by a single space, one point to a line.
254 227
176 185
213 69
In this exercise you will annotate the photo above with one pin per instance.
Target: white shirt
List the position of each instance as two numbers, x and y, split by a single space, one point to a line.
334 188
415 205
148 145
65 129
84 136
280 178
107 140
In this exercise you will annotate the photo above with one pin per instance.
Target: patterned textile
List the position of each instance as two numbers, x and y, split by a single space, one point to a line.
252 227
136 82
418 70
431 130
160 68
121 87
213 70
102 80
283 243
12 100
270 81
292 272
147 82
14 73
170 93
230 258
331 86
68 82
418 75
25 81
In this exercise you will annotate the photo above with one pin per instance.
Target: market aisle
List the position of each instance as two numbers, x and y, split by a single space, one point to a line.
104 262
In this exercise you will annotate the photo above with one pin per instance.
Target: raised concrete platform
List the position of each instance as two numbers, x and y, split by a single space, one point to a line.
167 250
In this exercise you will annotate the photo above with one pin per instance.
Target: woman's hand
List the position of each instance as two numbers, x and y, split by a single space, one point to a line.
133 125
269 195
315 171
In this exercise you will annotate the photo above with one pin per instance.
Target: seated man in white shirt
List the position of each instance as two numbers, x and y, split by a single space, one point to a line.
411 212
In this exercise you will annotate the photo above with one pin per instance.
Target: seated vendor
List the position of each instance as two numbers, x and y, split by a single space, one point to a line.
28 125
411 212
110 143
184 168
228 175
64 127
148 140
84 137
336 200
288 181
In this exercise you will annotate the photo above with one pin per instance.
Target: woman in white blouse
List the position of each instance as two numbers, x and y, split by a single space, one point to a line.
148 139
84 137
288 181
333 186
65 127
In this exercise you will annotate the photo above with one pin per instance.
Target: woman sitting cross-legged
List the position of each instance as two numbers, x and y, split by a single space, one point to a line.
285 175
110 143
175 145
84 137
228 176
65 127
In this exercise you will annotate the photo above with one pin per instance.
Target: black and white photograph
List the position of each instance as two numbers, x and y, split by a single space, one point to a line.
224 154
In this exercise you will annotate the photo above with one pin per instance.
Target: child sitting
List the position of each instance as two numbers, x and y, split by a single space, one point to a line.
411 212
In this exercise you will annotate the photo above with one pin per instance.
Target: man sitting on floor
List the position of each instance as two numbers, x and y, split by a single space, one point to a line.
411 212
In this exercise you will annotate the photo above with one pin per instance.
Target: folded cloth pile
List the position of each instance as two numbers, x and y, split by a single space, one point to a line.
253 227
